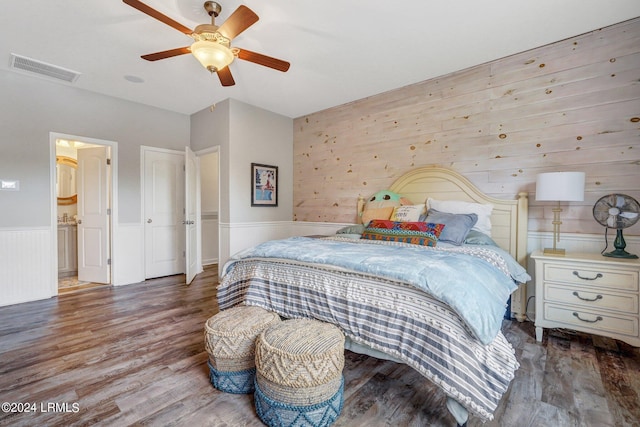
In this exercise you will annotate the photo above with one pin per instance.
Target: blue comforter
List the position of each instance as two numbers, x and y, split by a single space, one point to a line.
476 281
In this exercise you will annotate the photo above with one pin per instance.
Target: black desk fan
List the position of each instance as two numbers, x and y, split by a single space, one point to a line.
617 211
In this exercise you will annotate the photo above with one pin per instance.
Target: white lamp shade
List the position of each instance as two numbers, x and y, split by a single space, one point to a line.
213 56
560 186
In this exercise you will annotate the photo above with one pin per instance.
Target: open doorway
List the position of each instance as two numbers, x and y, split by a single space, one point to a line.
83 205
210 201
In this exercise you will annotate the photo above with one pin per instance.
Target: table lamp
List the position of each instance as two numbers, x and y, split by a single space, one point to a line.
559 187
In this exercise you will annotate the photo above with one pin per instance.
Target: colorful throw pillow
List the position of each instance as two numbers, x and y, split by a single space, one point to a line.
460 207
409 213
457 225
417 233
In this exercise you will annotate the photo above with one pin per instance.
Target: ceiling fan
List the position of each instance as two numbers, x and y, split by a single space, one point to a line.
212 43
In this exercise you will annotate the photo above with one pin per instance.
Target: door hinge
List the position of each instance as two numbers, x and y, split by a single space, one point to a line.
184 254
108 162
108 261
109 211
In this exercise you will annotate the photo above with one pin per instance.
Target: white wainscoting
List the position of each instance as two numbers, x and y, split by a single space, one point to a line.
237 236
26 265
301 228
27 270
573 242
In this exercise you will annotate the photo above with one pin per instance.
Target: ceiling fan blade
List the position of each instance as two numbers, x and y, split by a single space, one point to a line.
166 54
260 59
225 77
159 16
241 19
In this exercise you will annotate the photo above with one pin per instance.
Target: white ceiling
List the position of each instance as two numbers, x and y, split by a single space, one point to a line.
339 50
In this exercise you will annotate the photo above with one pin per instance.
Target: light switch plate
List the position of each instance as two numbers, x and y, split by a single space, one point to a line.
9 184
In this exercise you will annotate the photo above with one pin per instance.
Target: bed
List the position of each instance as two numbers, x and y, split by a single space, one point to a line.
390 298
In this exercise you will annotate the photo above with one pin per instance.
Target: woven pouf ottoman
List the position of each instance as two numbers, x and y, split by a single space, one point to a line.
230 338
299 378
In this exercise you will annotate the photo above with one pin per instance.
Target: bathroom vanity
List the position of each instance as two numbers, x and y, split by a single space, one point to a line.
67 250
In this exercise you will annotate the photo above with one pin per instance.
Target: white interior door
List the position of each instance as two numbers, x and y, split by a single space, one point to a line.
93 215
192 214
164 201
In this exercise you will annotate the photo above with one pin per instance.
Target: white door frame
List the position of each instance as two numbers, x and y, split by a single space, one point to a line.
143 149
113 219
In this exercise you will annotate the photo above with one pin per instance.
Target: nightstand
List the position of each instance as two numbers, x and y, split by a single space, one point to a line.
589 293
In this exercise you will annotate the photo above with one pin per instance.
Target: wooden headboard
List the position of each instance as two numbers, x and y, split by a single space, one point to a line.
508 218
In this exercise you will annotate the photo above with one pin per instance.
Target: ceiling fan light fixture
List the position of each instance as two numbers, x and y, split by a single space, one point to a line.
212 43
213 56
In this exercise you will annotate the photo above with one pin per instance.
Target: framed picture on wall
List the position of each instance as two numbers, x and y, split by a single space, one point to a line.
264 185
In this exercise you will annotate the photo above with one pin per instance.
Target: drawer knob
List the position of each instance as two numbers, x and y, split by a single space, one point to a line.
599 318
599 275
587 299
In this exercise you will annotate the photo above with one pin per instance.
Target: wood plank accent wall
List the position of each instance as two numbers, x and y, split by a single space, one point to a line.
573 105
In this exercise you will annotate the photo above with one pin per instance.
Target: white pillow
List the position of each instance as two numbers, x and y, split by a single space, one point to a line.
408 213
459 207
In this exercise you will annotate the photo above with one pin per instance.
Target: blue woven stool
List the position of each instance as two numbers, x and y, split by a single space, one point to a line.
230 339
236 382
274 413
299 380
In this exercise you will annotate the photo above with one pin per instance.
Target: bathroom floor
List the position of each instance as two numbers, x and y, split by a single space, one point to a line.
72 284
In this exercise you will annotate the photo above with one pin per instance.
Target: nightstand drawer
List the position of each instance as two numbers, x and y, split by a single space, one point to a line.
592 320
623 280
592 298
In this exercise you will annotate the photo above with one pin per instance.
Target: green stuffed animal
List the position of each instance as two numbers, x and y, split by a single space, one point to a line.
381 205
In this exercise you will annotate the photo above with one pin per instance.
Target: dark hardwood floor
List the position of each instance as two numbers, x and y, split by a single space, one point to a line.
135 355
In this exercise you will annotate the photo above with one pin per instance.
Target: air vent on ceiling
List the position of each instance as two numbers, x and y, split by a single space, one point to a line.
42 68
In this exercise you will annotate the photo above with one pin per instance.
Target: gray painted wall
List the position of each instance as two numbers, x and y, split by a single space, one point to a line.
259 136
208 129
31 108
247 134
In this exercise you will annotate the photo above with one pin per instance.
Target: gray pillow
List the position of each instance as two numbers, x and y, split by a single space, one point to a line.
456 226
478 238
351 229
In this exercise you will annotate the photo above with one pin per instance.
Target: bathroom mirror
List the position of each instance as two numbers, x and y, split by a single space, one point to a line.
66 168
